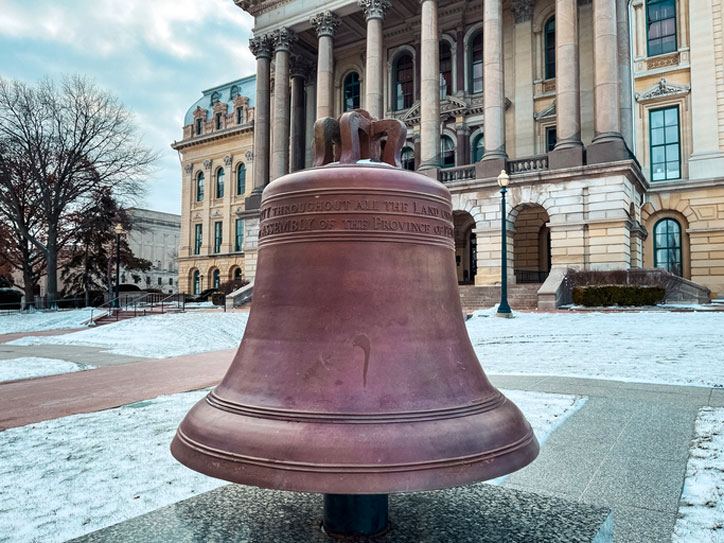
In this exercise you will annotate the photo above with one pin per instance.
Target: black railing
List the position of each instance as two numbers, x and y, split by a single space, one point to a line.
530 276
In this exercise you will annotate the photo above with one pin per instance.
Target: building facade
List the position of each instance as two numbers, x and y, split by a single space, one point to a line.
216 154
608 115
155 237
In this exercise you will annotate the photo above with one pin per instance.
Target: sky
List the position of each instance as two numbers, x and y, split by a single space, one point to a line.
156 56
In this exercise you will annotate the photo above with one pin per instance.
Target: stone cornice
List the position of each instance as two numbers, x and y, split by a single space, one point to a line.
325 23
257 7
217 135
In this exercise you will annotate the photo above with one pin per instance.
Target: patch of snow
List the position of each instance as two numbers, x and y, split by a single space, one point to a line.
157 336
195 305
30 366
44 320
701 509
648 347
67 477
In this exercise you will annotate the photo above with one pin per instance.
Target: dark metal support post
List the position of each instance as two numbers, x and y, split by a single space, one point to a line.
355 514
118 268
503 308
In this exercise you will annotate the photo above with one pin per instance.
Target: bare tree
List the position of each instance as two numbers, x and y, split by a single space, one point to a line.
76 140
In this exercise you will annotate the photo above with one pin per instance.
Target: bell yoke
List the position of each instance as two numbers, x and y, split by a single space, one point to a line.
355 375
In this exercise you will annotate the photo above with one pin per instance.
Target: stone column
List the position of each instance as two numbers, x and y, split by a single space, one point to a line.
568 151
374 11
608 144
707 160
283 39
462 133
310 116
624 71
523 111
325 24
429 87
261 47
495 157
300 68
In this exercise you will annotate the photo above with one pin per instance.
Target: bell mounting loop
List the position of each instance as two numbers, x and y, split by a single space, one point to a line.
356 136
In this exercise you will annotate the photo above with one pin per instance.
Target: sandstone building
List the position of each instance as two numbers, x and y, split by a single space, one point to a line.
608 114
216 154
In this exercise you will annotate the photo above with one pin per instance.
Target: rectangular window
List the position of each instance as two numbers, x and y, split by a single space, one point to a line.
170 281
198 127
664 144
217 236
551 138
197 239
239 241
218 121
159 280
661 26
239 115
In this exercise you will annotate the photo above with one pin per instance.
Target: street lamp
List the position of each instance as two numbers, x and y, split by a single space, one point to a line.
503 308
118 230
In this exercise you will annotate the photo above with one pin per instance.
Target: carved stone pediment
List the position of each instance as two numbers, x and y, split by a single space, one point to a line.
200 113
547 113
663 89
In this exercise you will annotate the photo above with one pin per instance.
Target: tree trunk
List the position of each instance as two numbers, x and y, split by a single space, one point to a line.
28 286
51 285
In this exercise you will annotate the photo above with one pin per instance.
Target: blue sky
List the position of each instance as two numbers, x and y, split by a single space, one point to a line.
155 55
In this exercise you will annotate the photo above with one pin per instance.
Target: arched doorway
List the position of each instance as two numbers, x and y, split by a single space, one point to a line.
466 257
531 244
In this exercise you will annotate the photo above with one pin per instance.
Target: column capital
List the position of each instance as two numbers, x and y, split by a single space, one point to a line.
325 23
522 10
374 9
283 39
300 66
261 46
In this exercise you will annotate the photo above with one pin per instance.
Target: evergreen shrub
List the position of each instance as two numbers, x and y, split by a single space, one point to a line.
622 295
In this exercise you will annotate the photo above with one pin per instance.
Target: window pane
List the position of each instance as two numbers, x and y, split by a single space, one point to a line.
672 153
657 119
673 170
657 155
657 136
672 134
654 30
657 172
671 116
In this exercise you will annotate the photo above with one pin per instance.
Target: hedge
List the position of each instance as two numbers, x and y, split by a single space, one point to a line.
624 295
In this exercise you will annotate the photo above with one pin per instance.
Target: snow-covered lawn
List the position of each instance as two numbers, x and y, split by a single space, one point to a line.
43 320
649 347
62 478
30 366
157 336
701 510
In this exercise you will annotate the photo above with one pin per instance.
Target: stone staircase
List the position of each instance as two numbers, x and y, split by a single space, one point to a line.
520 297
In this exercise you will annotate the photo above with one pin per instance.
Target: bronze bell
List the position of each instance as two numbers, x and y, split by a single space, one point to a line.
355 374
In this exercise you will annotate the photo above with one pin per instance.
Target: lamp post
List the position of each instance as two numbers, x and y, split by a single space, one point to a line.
503 308
118 230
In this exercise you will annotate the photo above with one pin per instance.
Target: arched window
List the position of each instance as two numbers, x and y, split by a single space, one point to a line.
445 69
220 183
407 157
478 148
404 81
476 63
241 179
351 91
215 97
550 48
216 278
197 282
237 274
661 26
233 92
447 152
200 187
667 246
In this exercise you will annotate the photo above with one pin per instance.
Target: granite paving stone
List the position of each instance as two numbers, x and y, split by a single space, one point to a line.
637 525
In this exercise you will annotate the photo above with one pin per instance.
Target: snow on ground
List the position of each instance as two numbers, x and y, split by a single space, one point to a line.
157 336
649 347
43 320
30 366
701 509
62 478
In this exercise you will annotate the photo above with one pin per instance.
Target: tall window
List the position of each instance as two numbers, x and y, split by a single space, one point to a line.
551 138
404 82
198 238
220 183
218 231
198 127
667 246
407 157
216 279
239 239
218 121
664 143
239 115
197 282
445 69
241 179
447 152
661 26
200 187
237 274
550 48
351 91
478 148
476 63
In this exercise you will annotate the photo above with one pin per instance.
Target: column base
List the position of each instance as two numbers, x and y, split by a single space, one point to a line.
490 167
607 149
565 157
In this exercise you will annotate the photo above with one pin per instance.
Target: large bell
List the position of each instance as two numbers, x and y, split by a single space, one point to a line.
355 374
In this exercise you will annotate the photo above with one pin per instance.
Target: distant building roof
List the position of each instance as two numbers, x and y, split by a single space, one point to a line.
246 86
